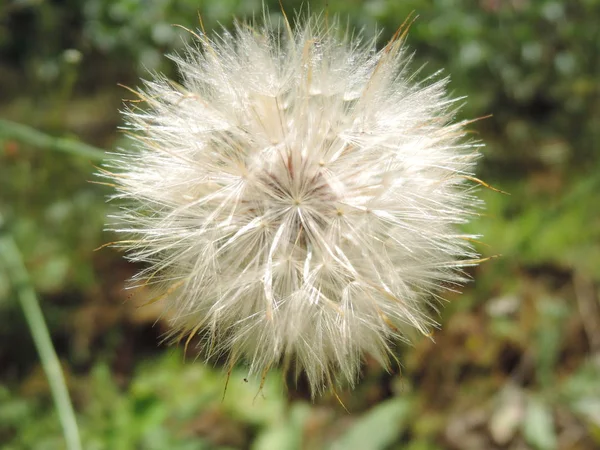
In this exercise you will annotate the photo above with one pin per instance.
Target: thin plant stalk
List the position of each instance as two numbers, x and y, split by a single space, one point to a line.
35 138
11 256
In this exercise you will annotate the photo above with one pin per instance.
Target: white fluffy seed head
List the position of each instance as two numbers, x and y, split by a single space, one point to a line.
296 198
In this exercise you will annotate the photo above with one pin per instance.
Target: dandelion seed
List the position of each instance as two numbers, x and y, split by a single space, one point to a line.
296 198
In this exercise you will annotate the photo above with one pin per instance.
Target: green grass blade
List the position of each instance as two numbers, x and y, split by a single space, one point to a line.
35 138
11 257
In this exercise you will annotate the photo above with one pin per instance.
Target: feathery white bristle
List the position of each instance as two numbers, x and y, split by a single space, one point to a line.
297 198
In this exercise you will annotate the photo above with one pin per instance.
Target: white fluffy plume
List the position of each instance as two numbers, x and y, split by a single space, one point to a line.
296 198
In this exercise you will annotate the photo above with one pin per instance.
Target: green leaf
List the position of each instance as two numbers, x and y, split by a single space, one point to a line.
286 435
378 428
538 427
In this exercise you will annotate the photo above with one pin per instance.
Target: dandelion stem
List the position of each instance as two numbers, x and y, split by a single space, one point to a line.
35 138
11 256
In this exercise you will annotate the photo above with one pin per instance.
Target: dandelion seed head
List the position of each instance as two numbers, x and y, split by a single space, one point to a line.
296 198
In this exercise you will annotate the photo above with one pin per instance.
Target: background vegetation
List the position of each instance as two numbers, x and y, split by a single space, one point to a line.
516 364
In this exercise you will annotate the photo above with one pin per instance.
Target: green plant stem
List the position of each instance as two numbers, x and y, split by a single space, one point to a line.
35 138
10 254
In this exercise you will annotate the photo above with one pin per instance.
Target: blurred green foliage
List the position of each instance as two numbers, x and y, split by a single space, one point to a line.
516 364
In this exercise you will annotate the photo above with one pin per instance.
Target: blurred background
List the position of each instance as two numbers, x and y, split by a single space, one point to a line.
516 364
